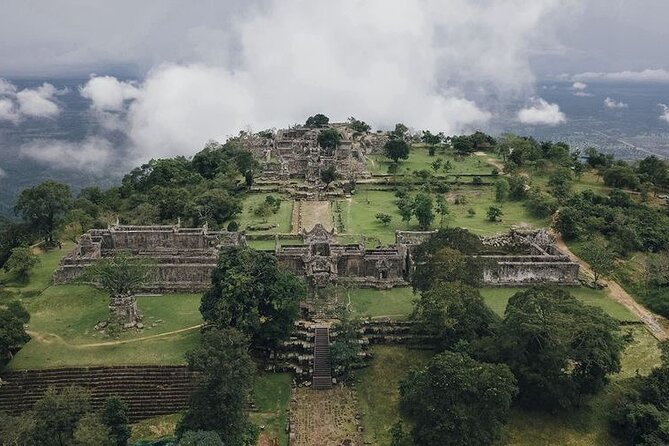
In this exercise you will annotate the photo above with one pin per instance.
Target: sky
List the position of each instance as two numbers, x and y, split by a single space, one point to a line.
172 74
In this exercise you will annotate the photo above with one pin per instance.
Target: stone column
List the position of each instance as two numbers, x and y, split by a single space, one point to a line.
124 309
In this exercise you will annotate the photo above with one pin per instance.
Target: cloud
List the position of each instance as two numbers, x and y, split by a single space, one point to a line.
648 75
583 94
108 93
665 112
92 154
30 102
541 113
38 102
611 103
579 86
8 111
2 173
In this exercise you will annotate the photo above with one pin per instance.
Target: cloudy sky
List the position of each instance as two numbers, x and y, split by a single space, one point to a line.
171 74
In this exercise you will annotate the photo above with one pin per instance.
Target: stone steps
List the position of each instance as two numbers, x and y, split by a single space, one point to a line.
147 390
322 376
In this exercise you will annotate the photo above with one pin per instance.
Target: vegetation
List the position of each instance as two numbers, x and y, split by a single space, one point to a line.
250 293
317 120
43 207
21 262
396 149
12 332
451 402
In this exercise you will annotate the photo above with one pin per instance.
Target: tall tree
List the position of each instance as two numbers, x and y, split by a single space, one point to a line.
317 120
457 401
559 349
422 208
396 149
57 415
328 175
43 207
121 276
600 257
21 262
329 139
221 400
115 417
13 335
251 293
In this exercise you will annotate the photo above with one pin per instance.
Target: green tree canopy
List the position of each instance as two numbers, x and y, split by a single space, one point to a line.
43 207
221 400
21 262
317 120
559 349
251 293
13 335
457 400
115 416
396 149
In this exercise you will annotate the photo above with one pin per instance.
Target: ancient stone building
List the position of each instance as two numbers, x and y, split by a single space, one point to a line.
185 257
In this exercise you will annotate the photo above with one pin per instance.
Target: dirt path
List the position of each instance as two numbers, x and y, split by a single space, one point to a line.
654 323
499 165
313 212
324 417
48 338
295 220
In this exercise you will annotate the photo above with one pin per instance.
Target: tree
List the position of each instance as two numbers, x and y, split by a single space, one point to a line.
445 264
430 139
43 207
405 208
329 139
558 348
115 417
599 256
251 293
621 176
220 401
560 182
437 164
494 214
501 190
400 131
359 126
13 335
200 438
21 262
452 401
453 312
396 149
346 347
91 431
442 209
328 175
385 219
121 276
517 187
422 208
216 206
57 415
541 205
317 120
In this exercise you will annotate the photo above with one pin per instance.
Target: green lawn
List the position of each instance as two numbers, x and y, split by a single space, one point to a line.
497 298
40 276
281 219
420 159
396 303
359 214
271 394
378 392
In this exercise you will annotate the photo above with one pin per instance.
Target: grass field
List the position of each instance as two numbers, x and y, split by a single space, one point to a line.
271 395
40 277
420 159
378 392
497 298
396 303
359 214
280 220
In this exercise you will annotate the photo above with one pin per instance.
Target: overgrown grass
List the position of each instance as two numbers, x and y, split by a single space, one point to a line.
420 159
396 303
280 221
378 389
41 275
359 213
155 428
497 298
271 395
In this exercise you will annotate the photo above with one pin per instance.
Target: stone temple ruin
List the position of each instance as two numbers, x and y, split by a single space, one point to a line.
294 154
185 257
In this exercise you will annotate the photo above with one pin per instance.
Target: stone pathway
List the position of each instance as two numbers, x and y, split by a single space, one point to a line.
654 323
313 212
324 417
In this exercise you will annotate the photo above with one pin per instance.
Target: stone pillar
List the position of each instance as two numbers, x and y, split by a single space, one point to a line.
124 309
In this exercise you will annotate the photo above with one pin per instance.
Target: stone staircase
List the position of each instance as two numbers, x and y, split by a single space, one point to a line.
322 376
147 390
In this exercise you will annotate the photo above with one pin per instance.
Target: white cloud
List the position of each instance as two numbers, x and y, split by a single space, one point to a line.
579 86
6 88
665 113
541 113
583 94
612 103
92 154
2 173
8 111
108 93
648 75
